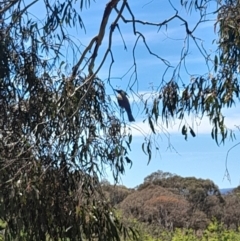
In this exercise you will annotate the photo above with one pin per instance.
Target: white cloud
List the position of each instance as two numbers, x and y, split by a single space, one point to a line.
200 126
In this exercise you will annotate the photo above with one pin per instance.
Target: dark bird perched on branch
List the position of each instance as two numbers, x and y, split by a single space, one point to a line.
124 103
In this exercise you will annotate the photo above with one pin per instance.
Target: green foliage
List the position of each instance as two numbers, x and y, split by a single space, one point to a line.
214 232
196 191
166 202
217 232
202 97
183 235
57 131
2 229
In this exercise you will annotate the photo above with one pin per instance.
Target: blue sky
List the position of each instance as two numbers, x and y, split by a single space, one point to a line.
200 156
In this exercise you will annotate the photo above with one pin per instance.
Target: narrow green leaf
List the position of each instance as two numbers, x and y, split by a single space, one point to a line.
143 148
192 132
151 125
215 63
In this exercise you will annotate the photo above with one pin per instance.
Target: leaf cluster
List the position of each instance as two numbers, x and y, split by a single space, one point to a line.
58 133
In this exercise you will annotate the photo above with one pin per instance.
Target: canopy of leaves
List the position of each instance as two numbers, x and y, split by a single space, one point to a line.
172 201
156 209
57 132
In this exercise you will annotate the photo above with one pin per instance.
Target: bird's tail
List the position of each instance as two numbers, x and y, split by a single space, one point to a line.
130 116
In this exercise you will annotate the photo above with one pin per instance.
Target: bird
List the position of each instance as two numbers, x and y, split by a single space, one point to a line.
123 102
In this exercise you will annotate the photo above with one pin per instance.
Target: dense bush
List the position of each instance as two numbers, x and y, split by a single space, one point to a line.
214 232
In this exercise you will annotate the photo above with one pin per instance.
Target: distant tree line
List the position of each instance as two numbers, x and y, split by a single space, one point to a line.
165 201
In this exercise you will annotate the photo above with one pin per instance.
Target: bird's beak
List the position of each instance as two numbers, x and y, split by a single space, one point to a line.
117 91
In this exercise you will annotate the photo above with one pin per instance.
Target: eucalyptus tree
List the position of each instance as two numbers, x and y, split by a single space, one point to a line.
59 128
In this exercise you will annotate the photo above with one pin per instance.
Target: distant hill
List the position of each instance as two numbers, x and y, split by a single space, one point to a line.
224 191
